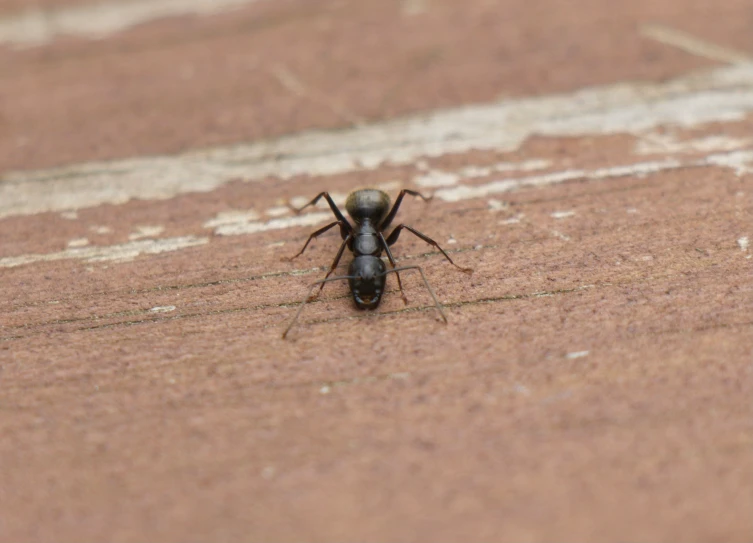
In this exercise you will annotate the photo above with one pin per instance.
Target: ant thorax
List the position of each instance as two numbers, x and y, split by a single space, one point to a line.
366 242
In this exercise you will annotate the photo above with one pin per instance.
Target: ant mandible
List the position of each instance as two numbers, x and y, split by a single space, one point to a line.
367 273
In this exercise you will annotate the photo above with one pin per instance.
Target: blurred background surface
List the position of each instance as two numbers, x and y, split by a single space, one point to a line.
591 160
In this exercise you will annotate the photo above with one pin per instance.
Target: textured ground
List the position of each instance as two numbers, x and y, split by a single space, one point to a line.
592 161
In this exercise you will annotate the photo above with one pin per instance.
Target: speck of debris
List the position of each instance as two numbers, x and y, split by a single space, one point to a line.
497 205
101 230
522 389
78 242
576 354
562 214
163 309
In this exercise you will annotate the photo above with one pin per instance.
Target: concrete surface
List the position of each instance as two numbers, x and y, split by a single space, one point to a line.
593 162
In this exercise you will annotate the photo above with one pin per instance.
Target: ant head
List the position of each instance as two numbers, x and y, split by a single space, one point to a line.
368 205
367 280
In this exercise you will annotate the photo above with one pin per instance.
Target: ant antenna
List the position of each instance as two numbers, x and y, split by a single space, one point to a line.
433 296
306 299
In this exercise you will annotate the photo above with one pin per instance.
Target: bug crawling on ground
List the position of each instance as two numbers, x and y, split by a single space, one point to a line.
367 273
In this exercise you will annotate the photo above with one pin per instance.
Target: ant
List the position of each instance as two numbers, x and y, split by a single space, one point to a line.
367 273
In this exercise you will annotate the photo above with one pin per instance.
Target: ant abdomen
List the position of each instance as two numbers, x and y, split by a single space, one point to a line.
368 205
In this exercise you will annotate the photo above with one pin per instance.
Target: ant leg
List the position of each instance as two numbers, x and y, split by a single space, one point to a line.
428 287
307 298
312 236
334 264
396 234
399 200
394 265
338 214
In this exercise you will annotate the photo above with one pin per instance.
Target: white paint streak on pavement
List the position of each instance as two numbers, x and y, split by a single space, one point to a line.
721 94
739 161
112 253
692 44
233 216
663 144
241 226
238 222
467 192
436 178
245 222
37 26
146 232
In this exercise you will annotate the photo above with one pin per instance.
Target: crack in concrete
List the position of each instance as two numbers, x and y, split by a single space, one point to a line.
205 284
415 309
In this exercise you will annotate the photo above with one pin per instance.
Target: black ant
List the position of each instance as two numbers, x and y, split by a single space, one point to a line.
370 210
